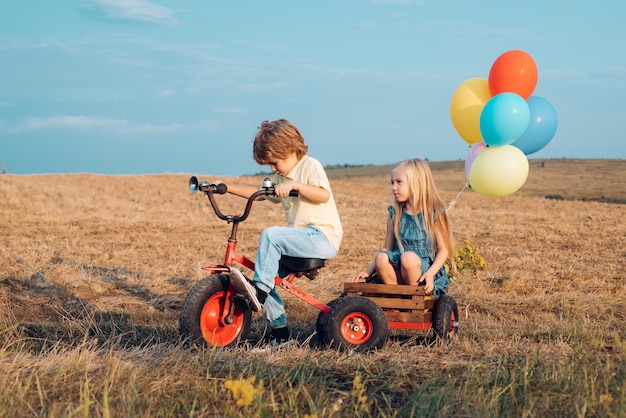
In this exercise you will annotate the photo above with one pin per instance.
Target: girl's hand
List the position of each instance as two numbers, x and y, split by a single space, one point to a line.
360 277
430 282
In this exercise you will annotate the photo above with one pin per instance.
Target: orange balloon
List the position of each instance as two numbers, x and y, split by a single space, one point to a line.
514 71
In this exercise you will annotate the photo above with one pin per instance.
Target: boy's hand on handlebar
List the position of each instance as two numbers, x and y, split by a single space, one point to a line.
283 189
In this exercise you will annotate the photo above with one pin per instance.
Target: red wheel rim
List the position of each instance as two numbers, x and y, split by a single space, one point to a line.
214 330
452 326
356 328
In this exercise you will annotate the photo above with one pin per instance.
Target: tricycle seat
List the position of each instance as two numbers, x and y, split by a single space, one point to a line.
301 264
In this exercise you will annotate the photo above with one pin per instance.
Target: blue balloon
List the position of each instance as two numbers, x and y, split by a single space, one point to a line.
504 119
542 126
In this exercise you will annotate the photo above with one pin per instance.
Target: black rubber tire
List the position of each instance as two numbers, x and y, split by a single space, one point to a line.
207 298
446 319
353 323
320 325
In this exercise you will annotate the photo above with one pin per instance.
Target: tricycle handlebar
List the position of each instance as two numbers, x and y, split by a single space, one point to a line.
267 189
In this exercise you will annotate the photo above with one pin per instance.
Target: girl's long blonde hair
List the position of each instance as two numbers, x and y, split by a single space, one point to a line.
424 199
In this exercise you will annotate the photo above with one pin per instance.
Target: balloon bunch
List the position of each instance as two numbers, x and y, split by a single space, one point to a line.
502 123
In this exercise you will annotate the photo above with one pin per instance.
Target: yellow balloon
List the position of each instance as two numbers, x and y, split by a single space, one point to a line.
466 105
499 171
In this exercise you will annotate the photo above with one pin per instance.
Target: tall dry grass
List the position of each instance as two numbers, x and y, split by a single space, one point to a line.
93 270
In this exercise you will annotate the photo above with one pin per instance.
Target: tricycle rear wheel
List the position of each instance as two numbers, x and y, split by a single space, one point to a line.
202 314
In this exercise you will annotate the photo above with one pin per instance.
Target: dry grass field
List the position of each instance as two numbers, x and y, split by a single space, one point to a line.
93 271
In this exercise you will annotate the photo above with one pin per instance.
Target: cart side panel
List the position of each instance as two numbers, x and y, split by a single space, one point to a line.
402 304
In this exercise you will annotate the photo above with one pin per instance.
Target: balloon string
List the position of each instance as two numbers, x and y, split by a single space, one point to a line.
453 279
458 196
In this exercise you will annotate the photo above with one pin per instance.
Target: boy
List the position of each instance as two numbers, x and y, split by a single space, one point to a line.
314 229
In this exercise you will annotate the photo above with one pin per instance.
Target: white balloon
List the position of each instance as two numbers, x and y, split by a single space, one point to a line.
499 171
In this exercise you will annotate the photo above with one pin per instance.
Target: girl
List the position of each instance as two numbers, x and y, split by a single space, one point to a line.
418 240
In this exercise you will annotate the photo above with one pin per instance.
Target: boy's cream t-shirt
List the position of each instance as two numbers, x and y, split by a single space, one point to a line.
301 212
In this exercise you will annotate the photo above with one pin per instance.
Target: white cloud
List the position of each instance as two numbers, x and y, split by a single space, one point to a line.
86 123
137 10
234 110
165 93
68 122
465 30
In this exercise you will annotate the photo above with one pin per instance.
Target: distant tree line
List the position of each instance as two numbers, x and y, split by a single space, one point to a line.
332 166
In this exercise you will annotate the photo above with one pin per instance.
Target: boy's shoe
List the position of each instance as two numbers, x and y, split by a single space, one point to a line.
246 287
273 346
279 334
277 339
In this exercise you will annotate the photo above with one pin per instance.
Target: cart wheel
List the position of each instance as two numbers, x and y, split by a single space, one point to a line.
353 322
446 321
322 318
201 317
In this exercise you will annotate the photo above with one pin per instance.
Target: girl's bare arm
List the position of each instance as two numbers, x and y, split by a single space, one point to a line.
438 262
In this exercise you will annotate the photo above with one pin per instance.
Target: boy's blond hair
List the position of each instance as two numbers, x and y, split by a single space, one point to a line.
277 140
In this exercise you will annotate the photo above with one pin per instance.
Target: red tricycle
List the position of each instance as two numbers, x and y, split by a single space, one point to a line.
216 313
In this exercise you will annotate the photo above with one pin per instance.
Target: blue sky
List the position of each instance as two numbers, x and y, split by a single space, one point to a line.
180 86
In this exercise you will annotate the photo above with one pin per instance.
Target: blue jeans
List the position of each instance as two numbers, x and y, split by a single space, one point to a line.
275 241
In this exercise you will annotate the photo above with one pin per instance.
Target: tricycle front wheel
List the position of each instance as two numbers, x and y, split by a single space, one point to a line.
202 317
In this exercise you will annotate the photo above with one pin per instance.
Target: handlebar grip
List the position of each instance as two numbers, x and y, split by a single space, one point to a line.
272 192
220 188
